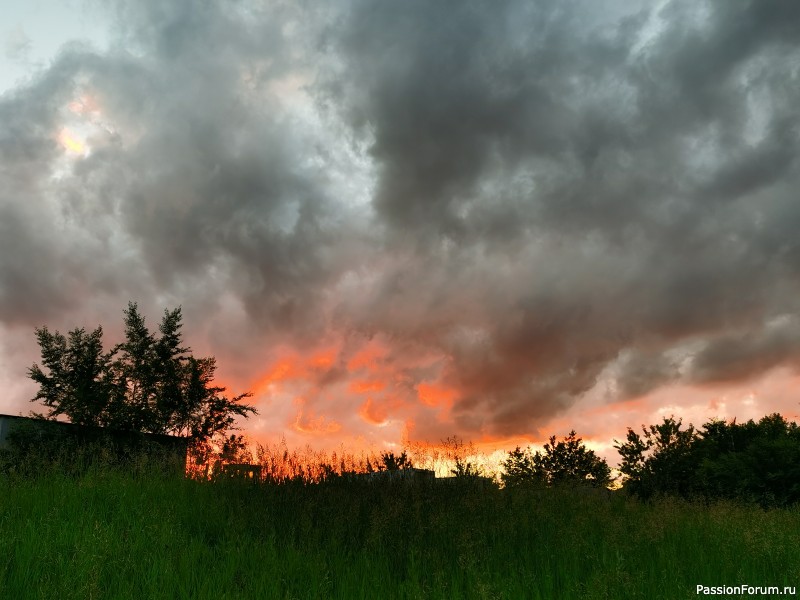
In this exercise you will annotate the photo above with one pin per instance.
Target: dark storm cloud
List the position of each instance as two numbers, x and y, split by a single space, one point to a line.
460 96
737 356
626 176
217 175
551 193
198 175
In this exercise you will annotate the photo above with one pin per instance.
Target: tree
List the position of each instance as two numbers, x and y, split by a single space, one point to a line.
80 381
758 462
456 451
750 461
660 462
395 462
149 383
563 462
519 469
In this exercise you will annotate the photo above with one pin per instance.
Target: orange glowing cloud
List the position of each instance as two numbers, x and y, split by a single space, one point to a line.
291 366
378 411
308 423
282 370
323 359
366 387
366 357
373 413
436 395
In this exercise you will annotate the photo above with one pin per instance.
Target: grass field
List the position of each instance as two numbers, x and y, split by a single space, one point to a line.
107 534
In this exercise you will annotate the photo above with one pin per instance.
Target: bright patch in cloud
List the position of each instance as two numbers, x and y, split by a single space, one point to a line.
70 143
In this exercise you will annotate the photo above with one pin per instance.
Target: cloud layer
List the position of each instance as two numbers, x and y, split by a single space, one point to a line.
420 217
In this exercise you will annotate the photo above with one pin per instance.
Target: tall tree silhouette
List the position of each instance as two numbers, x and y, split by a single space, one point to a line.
148 383
661 460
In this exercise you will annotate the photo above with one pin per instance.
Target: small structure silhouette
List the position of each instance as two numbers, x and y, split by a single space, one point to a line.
393 475
242 471
25 438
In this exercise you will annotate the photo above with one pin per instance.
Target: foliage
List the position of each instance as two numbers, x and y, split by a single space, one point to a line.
567 461
148 383
457 453
395 462
750 461
661 461
753 461
80 380
519 469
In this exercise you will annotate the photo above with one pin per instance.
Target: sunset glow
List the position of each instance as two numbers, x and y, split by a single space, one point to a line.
433 395
388 243
314 425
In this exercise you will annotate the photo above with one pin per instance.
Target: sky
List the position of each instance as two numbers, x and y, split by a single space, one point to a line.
499 220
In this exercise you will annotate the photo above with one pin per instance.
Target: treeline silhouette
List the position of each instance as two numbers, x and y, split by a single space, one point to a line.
150 383
756 462
752 461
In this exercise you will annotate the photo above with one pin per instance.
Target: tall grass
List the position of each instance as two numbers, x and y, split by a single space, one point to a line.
112 533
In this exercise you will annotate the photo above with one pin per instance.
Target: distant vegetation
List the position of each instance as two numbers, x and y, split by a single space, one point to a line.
752 462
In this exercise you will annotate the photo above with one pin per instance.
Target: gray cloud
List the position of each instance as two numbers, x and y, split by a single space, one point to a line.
736 356
618 174
539 195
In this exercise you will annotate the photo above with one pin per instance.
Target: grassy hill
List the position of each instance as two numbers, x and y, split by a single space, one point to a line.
113 534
